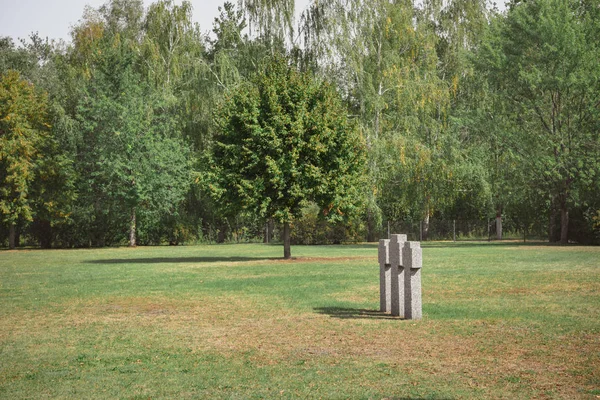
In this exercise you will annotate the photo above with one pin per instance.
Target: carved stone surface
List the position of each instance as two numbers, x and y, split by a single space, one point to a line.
400 264
412 257
385 278
384 255
397 274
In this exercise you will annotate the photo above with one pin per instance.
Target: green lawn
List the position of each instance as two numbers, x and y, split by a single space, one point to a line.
501 320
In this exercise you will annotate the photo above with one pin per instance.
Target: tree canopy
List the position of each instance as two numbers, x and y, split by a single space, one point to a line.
284 140
23 129
147 128
542 61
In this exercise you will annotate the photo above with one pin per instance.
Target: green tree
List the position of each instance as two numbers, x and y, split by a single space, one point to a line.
272 20
284 140
231 57
132 164
383 55
132 160
23 130
542 59
171 45
52 193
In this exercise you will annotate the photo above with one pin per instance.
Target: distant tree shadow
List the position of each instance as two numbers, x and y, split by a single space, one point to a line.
485 243
178 260
418 398
353 313
371 245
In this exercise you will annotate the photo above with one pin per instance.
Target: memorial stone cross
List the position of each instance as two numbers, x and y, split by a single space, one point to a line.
397 274
412 260
385 289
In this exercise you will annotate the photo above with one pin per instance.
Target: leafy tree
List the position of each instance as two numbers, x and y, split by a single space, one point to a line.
231 57
23 129
52 192
133 161
542 60
171 45
383 54
474 167
272 20
284 140
132 165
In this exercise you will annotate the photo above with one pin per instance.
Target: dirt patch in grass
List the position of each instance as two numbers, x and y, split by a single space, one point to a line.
495 356
491 354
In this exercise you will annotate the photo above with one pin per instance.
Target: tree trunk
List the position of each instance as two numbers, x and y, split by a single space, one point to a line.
12 237
425 226
132 229
553 232
222 235
499 223
268 231
370 226
564 224
45 234
287 252
17 236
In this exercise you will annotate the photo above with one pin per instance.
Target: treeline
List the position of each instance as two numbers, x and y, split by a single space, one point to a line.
466 113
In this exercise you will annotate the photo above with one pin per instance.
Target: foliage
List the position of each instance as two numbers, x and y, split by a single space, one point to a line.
311 228
284 140
134 162
551 92
23 131
465 111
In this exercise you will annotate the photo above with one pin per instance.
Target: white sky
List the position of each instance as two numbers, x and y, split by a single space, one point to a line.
54 18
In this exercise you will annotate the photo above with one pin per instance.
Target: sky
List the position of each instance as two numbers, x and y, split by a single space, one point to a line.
54 18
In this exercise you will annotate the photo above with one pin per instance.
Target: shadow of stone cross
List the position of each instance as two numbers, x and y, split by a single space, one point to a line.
353 313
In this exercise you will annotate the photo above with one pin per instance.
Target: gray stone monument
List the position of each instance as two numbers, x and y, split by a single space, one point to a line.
397 274
385 289
400 265
412 259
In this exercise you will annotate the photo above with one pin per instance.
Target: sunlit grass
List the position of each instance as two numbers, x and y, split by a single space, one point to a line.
235 321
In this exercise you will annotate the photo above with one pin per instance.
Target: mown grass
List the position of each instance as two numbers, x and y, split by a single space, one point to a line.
501 320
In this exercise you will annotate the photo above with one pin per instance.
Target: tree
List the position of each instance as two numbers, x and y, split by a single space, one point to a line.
52 192
384 56
271 20
542 61
172 43
23 130
133 161
284 140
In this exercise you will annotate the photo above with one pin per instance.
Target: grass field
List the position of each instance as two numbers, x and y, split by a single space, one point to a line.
501 320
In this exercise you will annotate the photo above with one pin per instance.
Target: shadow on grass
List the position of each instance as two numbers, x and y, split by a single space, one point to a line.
371 245
353 313
418 398
485 243
179 260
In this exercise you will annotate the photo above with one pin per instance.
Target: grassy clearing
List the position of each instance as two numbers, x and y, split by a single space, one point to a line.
234 321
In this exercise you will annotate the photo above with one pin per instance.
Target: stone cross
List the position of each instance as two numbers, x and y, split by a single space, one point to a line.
385 277
412 259
397 274
400 265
